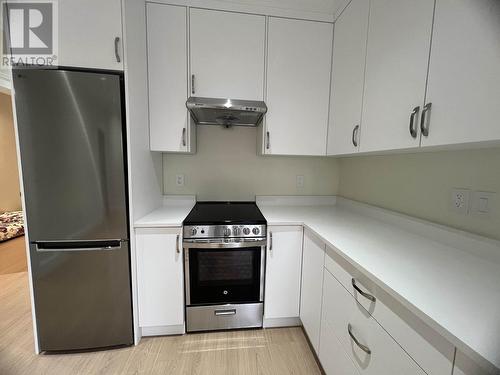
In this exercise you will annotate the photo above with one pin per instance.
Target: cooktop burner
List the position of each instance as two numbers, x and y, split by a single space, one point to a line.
224 213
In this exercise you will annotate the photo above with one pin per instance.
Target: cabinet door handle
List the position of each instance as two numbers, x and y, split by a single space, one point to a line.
184 137
355 136
192 84
424 120
270 241
117 49
413 129
364 294
364 348
177 248
268 140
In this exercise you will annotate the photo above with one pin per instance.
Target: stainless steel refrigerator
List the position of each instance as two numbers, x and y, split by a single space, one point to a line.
72 143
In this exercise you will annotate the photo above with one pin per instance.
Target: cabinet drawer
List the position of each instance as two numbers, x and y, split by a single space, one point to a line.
429 349
369 346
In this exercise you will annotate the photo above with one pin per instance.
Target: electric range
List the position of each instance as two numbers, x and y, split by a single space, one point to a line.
224 266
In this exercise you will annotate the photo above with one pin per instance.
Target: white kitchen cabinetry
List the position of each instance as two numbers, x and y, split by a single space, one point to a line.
227 54
313 259
399 36
372 350
464 73
170 126
283 268
160 280
349 54
298 86
90 34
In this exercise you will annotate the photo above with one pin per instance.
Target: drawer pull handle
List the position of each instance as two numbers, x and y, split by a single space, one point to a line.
364 348
225 312
364 294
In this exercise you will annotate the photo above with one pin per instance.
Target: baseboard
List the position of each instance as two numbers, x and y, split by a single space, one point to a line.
281 322
163 330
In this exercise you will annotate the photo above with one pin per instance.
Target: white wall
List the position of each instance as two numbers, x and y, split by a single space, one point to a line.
420 184
227 167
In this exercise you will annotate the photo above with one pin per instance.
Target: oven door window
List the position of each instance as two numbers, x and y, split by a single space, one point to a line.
224 275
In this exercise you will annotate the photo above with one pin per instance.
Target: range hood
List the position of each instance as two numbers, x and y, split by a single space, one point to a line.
226 112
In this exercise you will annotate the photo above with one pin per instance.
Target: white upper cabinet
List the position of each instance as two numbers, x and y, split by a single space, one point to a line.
349 54
464 73
298 87
396 71
284 263
90 34
169 122
227 54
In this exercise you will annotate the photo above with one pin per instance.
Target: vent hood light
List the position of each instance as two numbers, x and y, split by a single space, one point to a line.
226 112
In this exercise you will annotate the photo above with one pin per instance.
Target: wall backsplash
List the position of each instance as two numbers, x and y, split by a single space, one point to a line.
420 184
227 167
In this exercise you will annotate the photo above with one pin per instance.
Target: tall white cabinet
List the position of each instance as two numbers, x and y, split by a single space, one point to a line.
169 121
348 77
399 37
313 261
464 74
283 269
90 34
227 54
298 87
160 281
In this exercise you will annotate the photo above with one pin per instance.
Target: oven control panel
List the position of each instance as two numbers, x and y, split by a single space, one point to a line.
228 231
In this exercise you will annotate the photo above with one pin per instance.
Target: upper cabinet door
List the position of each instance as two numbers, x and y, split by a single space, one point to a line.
298 86
90 34
464 73
399 37
168 78
349 55
227 54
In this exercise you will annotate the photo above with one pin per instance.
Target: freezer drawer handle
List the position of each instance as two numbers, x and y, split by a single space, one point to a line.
46 246
225 312
364 348
364 294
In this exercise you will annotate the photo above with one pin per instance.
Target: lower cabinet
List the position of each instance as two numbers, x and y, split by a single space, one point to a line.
370 348
312 287
332 355
160 281
284 262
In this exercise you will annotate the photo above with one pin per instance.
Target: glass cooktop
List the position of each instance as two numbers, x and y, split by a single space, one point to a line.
215 213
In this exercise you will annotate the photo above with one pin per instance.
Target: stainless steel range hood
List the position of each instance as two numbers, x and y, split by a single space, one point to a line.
226 112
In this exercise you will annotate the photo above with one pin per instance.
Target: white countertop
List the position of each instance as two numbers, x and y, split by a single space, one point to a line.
429 269
171 214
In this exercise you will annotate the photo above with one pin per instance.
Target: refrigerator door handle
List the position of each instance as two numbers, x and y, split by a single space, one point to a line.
47 246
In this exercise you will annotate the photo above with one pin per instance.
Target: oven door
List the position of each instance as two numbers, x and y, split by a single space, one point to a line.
224 273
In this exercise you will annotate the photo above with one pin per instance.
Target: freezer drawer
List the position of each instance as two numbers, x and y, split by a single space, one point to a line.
82 295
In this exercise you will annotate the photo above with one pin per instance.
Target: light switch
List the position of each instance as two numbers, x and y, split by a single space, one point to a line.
300 181
482 203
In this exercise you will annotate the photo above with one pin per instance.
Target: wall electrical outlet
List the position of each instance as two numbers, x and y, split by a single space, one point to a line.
460 201
300 180
179 180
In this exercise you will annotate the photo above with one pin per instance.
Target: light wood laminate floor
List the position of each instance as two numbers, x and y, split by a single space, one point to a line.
270 351
13 256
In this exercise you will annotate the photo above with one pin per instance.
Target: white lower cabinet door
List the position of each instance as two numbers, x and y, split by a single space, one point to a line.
160 278
372 350
332 355
284 261
313 259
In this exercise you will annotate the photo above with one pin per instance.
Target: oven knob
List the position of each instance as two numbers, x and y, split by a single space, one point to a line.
227 231
193 231
255 231
236 231
246 231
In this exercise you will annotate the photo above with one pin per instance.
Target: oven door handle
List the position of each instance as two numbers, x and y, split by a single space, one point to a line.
223 245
